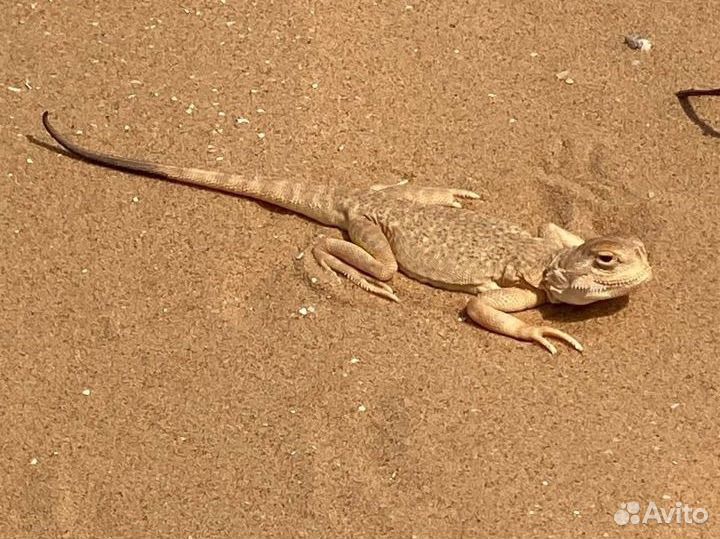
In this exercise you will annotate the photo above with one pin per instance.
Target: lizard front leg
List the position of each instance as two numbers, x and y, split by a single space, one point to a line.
490 310
431 196
366 261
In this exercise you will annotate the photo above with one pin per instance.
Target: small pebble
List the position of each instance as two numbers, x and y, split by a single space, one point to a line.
261 135
313 280
33 461
135 199
241 120
562 75
636 41
303 311
29 160
361 408
315 85
86 392
674 405
14 89
354 360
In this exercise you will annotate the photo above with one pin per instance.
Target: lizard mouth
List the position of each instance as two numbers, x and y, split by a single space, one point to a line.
626 283
610 288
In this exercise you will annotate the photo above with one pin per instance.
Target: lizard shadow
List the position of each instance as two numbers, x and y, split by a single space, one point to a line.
61 151
684 96
577 313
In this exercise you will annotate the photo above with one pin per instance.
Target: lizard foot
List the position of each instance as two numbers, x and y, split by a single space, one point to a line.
538 334
334 266
438 196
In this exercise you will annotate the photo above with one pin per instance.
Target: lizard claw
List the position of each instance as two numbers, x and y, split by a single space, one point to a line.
538 334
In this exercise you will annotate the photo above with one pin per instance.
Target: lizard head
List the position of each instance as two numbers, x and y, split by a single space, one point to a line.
601 268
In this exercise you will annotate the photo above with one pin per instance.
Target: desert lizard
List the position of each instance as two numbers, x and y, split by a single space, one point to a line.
424 233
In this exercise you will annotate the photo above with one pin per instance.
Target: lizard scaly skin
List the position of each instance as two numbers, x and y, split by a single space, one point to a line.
421 232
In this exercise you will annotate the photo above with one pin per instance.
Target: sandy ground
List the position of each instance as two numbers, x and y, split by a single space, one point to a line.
157 379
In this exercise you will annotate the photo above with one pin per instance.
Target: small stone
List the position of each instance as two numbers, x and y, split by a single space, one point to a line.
534 54
674 405
313 280
315 85
14 89
261 135
135 199
86 392
33 461
666 497
311 309
562 75
362 408
545 483
241 121
636 41
354 360
569 81
29 161
576 513
303 311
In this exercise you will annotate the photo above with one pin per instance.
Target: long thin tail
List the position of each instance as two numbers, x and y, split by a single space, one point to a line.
322 204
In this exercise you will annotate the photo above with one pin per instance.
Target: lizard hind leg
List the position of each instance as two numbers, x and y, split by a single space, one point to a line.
367 261
432 196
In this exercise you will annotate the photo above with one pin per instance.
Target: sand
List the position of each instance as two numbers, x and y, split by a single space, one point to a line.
158 379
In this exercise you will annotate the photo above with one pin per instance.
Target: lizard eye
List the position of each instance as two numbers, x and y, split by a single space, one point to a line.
606 259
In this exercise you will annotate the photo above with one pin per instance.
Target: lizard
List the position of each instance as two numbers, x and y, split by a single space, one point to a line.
426 234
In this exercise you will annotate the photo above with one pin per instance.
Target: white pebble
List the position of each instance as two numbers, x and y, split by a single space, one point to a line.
361 408
562 75
303 311
86 392
261 135
135 199
29 160
14 89
635 41
674 405
354 360
33 461
315 85
241 120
